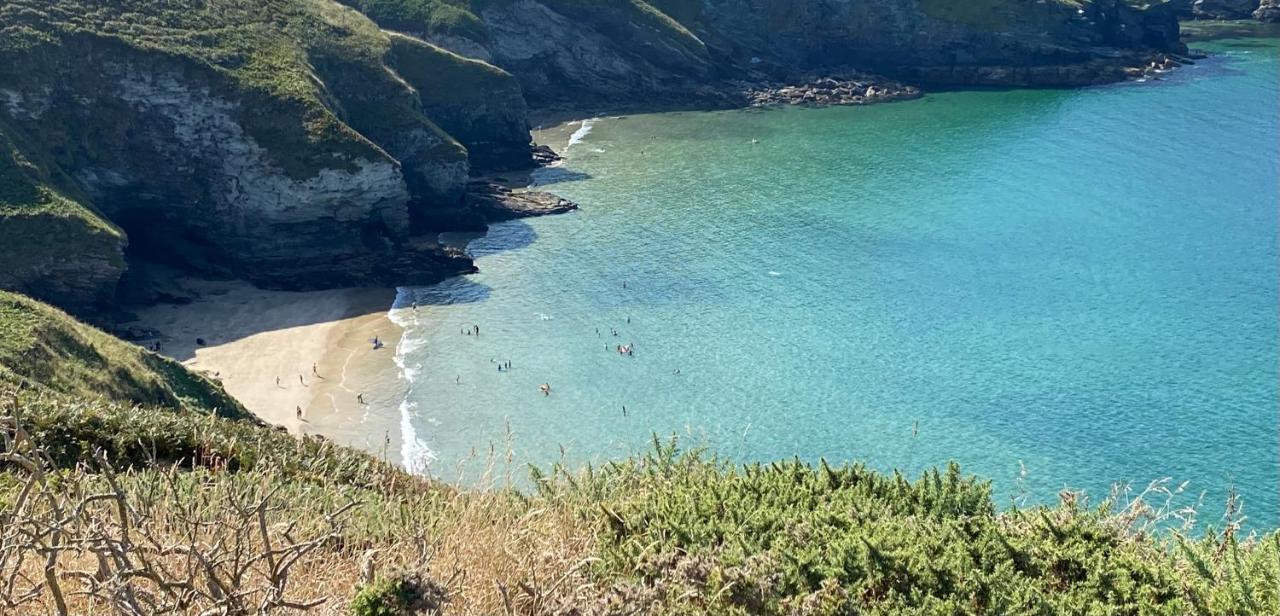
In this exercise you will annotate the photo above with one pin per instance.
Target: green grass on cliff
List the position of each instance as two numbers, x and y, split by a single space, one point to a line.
461 17
430 17
44 349
445 79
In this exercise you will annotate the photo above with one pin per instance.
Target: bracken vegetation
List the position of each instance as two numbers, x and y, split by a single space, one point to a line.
110 506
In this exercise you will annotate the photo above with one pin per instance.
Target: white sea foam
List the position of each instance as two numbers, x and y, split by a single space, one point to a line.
414 454
581 133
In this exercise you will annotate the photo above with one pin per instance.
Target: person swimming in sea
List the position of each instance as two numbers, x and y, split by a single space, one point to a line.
545 388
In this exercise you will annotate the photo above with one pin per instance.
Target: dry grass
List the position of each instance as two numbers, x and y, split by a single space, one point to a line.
90 540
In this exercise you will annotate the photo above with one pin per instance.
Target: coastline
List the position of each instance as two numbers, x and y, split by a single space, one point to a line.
252 336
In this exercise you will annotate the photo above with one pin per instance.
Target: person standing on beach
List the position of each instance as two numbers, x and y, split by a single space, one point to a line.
277 381
301 382
299 412
360 398
313 370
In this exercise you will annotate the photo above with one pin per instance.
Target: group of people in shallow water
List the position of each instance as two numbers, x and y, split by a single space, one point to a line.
627 349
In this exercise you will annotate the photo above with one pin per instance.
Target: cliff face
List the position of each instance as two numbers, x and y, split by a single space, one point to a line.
980 41
668 50
272 141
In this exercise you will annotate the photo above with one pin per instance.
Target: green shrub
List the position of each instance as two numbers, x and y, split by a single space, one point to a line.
403 594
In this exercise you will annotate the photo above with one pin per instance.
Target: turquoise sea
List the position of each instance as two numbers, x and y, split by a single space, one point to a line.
1054 288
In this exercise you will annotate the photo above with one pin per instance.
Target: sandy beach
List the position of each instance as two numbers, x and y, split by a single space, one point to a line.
277 351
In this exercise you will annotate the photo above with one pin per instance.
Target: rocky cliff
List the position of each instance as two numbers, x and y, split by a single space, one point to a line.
612 52
276 141
975 42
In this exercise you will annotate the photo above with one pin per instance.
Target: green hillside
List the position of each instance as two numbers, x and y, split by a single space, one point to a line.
42 348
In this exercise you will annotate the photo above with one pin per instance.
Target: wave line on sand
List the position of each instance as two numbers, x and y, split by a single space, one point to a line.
415 455
581 133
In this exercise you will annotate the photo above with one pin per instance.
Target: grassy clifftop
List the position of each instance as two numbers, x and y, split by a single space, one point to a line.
45 349
668 532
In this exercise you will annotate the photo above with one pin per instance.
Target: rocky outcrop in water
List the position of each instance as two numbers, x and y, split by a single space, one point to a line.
497 202
1268 11
827 91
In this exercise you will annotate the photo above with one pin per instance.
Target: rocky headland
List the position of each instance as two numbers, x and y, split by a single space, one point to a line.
305 144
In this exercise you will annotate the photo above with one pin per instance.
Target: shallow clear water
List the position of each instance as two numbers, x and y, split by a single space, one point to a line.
1053 288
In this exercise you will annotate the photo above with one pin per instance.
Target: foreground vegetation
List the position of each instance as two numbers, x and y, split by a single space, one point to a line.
109 506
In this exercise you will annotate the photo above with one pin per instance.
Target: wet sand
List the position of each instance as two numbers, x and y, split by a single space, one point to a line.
317 344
